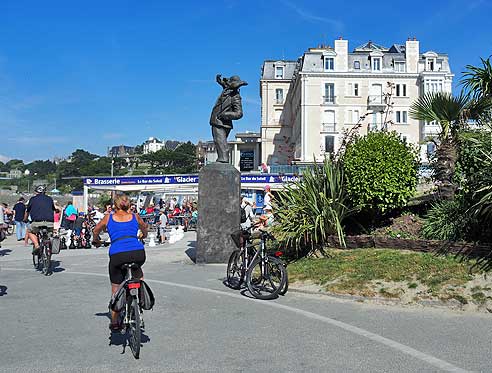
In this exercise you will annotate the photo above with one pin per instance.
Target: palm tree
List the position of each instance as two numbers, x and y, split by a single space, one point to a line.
478 80
453 114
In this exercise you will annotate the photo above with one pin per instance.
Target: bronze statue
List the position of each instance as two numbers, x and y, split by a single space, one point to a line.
227 108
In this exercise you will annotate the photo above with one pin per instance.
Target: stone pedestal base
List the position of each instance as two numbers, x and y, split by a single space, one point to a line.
219 212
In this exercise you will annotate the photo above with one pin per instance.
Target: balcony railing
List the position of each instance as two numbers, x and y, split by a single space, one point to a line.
329 127
329 100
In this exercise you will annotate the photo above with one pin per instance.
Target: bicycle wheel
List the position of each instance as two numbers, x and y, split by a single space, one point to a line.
235 269
35 261
46 260
10 230
283 291
134 330
266 277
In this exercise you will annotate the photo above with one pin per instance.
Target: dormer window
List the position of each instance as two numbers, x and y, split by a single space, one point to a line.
376 64
400 67
329 63
279 72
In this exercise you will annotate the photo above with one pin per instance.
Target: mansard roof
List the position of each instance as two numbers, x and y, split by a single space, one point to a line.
370 46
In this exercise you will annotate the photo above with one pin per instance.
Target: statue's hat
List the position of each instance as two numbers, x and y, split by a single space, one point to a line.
235 82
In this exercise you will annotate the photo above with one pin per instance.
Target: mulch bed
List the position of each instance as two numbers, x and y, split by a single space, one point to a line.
367 241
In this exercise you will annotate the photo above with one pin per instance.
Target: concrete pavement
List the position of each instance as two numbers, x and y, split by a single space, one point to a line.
59 323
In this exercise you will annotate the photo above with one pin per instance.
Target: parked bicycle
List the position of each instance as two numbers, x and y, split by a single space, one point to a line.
132 297
265 275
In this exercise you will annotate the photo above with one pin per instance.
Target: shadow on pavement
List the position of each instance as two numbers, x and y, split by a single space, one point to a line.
191 251
55 265
120 338
3 290
5 252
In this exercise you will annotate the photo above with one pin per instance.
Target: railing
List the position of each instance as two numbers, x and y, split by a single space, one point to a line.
329 100
375 100
329 127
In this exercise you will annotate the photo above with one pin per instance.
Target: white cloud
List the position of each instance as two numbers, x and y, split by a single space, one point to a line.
4 158
112 136
310 17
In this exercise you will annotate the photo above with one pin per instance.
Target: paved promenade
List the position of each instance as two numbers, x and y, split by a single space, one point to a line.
59 324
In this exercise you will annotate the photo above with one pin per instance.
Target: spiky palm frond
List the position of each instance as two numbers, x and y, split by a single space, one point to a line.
478 80
441 107
310 210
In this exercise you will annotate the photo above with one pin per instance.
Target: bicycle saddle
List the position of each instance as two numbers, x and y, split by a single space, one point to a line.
130 265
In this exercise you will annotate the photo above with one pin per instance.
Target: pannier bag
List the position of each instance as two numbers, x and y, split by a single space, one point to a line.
146 296
55 245
118 300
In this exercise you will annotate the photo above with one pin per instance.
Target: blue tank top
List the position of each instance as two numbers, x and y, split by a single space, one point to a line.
118 229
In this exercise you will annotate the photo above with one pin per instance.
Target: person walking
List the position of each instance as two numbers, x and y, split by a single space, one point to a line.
126 247
20 225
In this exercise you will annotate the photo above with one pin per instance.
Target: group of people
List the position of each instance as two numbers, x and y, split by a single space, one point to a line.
248 210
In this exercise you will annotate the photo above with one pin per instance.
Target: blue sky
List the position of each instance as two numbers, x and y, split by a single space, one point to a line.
89 74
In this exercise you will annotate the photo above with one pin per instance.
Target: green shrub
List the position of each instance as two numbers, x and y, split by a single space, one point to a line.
313 208
381 172
446 220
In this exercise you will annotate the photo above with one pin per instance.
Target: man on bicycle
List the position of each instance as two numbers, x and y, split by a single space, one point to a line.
42 210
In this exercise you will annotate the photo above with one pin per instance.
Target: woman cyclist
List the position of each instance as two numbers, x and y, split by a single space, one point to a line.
126 247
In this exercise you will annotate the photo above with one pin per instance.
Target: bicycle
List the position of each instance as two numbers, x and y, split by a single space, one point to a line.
41 259
265 275
130 313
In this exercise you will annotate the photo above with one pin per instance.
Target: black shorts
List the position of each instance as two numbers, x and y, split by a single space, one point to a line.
116 261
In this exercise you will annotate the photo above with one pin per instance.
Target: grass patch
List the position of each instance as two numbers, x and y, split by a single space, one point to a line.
352 271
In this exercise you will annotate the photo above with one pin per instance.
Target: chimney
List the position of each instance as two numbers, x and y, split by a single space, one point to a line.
412 53
341 59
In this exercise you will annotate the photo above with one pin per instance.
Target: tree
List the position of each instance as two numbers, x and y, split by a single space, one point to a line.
42 168
381 173
453 114
15 164
478 80
180 160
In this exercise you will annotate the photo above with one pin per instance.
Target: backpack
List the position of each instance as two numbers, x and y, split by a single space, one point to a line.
146 296
243 215
118 299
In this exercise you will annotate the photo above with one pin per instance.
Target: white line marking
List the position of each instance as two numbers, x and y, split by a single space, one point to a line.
429 359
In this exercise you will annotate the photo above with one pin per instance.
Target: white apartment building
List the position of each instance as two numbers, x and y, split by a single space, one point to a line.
308 104
152 145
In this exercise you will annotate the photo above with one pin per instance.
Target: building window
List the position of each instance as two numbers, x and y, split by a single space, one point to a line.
353 89
355 117
328 124
277 115
329 144
329 63
376 64
401 90
356 65
400 67
329 94
279 95
279 72
401 117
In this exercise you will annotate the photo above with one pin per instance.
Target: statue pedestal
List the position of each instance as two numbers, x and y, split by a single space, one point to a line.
219 212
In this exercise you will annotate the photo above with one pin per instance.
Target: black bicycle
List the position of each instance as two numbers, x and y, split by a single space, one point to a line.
127 302
41 258
265 275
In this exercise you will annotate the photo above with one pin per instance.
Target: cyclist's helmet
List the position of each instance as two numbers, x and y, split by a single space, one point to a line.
40 189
